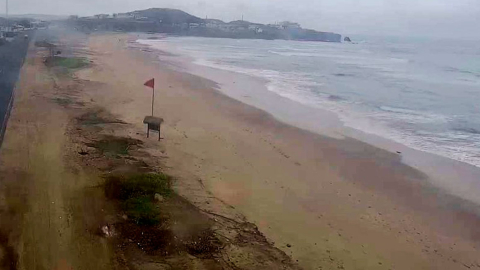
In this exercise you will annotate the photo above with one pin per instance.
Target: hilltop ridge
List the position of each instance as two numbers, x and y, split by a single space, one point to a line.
178 22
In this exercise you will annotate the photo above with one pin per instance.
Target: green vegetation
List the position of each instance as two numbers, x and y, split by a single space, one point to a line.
142 210
69 63
115 145
137 195
63 101
98 116
119 147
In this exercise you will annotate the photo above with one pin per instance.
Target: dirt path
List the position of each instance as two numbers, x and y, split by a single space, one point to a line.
42 199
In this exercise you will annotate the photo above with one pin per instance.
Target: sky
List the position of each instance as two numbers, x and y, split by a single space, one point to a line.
432 18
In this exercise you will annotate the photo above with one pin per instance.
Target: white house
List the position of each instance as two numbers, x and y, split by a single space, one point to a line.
102 16
193 25
289 25
256 28
124 16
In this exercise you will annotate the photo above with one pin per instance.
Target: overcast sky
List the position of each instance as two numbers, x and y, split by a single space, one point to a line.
440 18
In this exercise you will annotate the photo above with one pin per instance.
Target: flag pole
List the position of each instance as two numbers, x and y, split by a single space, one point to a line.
153 98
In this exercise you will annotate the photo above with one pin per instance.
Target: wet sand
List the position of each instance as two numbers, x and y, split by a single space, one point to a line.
328 202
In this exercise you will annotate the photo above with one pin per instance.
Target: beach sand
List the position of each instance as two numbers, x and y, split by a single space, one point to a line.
329 203
334 202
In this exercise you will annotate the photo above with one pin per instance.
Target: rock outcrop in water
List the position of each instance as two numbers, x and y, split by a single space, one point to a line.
347 39
172 21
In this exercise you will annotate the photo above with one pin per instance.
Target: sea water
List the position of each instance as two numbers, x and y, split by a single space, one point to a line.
424 94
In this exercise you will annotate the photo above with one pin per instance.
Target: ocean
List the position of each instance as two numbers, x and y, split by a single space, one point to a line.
424 94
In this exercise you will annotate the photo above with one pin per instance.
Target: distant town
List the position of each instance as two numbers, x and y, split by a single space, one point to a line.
172 21
9 28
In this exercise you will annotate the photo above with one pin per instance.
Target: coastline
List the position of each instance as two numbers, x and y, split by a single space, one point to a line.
329 202
64 154
387 193
455 177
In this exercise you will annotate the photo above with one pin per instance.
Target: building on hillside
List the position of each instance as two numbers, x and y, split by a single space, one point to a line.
143 19
256 28
102 16
212 23
124 16
289 25
40 24
276 26
193 25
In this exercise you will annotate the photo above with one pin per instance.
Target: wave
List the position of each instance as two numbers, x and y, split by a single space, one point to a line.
343 75
469 130
411 116
384 121
462 71
335 98
422 130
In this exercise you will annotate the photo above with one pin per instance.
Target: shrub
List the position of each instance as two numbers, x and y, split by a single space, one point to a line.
136 193
142 210
67 62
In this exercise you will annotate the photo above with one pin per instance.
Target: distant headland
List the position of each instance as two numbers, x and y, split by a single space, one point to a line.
177 22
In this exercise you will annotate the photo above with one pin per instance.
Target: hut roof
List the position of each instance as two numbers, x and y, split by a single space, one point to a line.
153 120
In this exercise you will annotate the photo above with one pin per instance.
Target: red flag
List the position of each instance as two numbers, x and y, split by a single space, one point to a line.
150 83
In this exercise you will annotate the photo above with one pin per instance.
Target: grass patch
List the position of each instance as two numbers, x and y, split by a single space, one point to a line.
67 62
97 117
138 185
115 145
119 147
142 210
136 194
44 44
67 102
63 101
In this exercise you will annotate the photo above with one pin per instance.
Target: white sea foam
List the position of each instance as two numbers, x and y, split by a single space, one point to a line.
293 86
356 102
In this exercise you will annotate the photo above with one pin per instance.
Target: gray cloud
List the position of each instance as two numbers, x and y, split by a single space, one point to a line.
442 18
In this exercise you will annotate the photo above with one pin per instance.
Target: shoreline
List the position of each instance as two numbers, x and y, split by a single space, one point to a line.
443 171
407 187
277 196
65 160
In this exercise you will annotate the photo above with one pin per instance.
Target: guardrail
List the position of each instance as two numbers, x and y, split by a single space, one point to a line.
6 117
8 110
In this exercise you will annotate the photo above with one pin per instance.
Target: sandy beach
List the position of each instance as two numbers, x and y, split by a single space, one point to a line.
337 202
327 202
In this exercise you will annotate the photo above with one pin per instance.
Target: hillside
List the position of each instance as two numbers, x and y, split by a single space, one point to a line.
166 15
39 17
173 21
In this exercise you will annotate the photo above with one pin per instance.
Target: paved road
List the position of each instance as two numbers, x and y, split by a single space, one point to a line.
12 56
